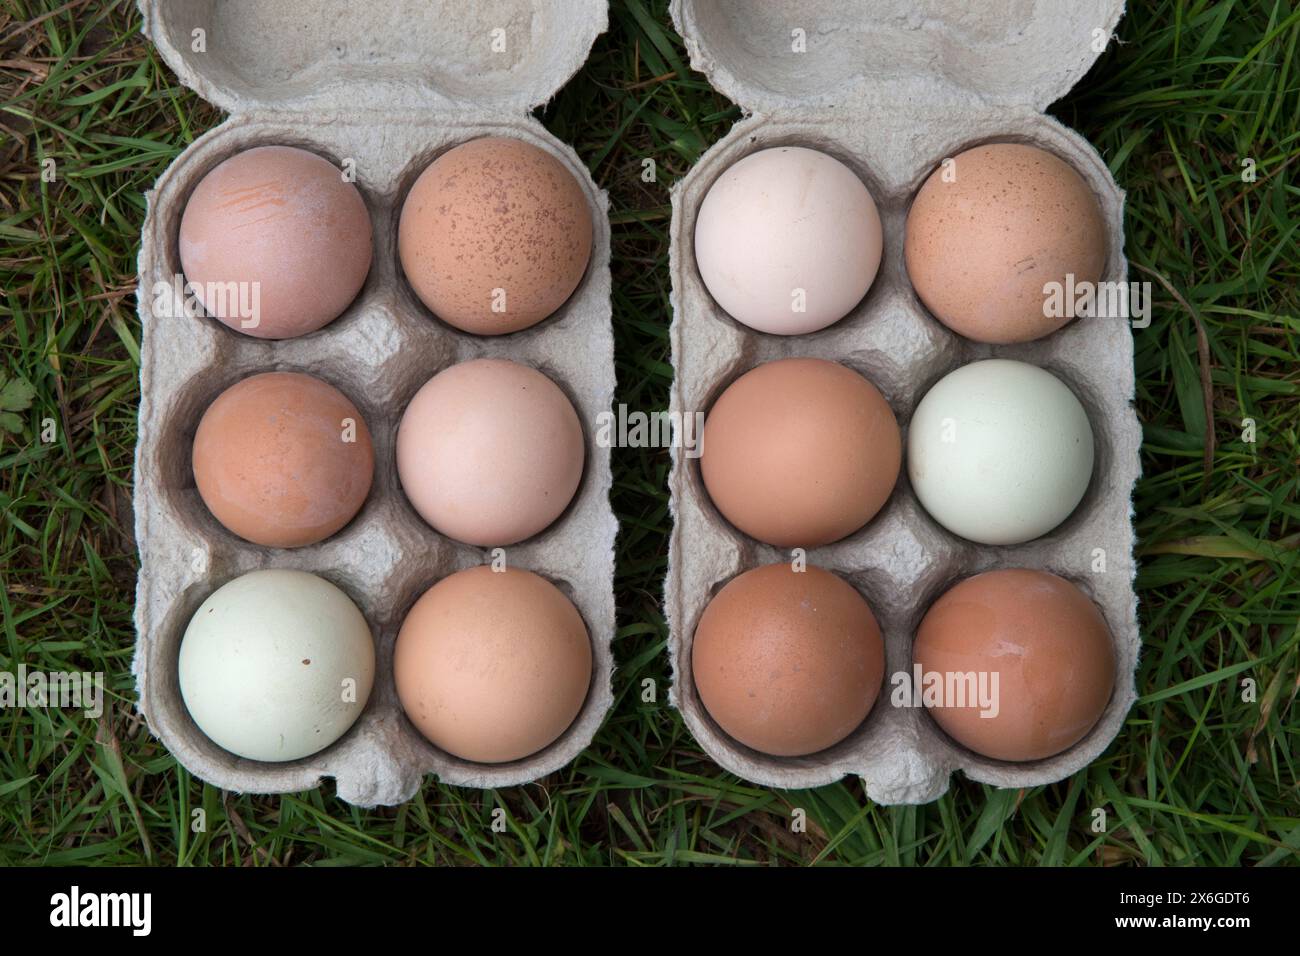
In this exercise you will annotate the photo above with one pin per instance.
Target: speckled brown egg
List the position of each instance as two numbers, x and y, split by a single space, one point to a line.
491 665
288 230
788 662
1049 646
989 233
283 459
495 235
800 452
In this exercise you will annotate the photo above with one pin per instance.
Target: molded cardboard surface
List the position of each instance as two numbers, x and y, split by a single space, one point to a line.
374 100
892 91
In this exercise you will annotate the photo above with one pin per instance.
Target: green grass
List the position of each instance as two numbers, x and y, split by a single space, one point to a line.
1197 776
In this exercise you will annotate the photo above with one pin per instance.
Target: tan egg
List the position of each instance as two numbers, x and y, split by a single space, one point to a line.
490 452
988 234
283 460
788 662
495 235
283 225
800 452
492 666
1049 646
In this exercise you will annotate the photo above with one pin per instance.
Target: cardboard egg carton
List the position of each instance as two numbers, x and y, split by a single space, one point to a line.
891 89
388 85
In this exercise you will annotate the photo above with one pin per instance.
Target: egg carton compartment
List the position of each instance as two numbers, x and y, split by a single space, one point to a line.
304 55
379 352
891 91
1003 52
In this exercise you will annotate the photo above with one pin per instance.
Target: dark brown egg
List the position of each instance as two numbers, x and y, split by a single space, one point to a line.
1049 647
283 459
788 662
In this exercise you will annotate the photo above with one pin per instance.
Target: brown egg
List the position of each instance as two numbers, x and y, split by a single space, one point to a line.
800 452
492 666
490 452
495 235
283 459
981 248
1047 643
788 662
283 225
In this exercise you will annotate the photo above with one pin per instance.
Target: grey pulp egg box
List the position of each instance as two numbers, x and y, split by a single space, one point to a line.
892 88
388 84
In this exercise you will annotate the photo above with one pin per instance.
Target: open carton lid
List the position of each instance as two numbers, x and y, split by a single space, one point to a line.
507 56
790 53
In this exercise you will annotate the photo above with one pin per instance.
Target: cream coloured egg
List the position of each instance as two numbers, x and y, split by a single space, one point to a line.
788 240
276 665
999 452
